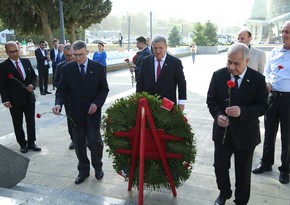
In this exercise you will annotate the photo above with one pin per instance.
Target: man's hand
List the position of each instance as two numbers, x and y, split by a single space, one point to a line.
181 107
56 109
7 104
222 121
29 88
93 108
233 111
269 87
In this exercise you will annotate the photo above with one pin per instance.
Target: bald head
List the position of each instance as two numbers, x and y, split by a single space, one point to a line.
245 36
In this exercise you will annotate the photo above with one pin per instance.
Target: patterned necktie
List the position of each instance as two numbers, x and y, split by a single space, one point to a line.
158 68
19 70
83 70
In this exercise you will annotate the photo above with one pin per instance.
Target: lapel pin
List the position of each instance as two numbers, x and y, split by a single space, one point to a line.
248 80
91 72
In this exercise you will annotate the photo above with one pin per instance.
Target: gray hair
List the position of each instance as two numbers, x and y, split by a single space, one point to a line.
67 47
77 45
158 39
10 43
240 47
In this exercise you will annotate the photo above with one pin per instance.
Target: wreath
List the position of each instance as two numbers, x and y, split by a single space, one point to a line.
121 116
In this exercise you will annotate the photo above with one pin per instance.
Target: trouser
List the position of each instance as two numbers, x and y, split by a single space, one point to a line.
17 118
43 78
278 112
243 166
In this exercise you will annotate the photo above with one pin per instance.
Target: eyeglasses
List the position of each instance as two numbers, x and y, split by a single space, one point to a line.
68 56
12 52
75 55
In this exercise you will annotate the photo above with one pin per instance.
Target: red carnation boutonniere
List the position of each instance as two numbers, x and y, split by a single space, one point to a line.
231 84
39 115
131 70
11 77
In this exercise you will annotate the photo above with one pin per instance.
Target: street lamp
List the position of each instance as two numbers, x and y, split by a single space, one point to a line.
61 22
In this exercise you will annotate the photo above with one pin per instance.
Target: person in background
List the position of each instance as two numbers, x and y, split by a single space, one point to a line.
42 58
67 52
193 52
101 55
257 56
84 84
17 82
148 43
143 52
53 56
59 57
236 111
120 40
162 73
30 46
277 71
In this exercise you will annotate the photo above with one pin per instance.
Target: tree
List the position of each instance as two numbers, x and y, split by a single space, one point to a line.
205 34
42 17
82 14
174 37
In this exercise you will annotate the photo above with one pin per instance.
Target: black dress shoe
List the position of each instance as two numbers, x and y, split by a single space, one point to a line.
71 146
99 174
261 168
43 93
46 92
80 179
221 200
23 149
34 148
284 177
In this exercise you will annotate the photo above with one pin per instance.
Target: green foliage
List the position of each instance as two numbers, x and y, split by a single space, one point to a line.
174 37
121 117
205 34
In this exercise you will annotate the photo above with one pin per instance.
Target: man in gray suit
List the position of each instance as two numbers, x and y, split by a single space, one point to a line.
257 56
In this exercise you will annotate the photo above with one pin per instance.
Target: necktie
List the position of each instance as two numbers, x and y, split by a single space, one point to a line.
83 71
236 81
158 68
19 70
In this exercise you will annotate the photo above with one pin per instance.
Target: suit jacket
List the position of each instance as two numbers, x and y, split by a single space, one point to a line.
93 89
40 58
59 59
145 52
11 89
251 97
257 59
58 72
171 77
52 57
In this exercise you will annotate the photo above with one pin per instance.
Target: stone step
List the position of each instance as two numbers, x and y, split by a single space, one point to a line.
27 194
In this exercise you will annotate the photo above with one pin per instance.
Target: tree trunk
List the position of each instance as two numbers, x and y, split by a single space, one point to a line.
73 32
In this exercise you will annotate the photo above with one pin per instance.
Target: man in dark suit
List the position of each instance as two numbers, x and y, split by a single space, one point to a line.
59 57
162 73
84 83
67 53
236 113
53 56
17 82
42 58
143 52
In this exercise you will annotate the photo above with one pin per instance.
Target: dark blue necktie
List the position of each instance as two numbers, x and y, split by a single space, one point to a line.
236 81
83 70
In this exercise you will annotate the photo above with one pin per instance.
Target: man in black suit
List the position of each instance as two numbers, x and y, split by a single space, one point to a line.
17 82
42 58
67 53
53 56
143 52
83 82
236 113
162 73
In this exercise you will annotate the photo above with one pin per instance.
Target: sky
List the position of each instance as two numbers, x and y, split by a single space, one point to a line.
218 11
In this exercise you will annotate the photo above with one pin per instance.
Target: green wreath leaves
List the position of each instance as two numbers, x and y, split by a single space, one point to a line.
121 116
